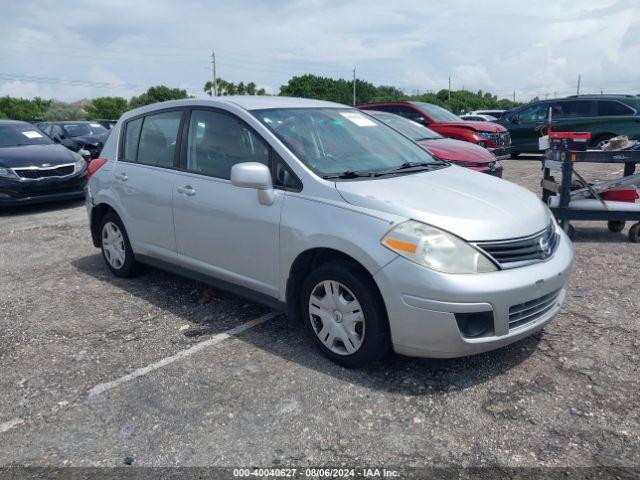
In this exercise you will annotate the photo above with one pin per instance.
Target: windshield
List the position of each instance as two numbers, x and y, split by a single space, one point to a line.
411 129
331 141
437 113
83 128
19 134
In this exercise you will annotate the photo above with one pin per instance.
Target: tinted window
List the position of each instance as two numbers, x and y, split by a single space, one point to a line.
579 108
534 113
83 128
217 141
158 139
131 138
610 107
409 113
437 113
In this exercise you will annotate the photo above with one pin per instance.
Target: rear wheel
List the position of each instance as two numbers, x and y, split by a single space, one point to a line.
116 249
344 314
634 233
616 226
600 140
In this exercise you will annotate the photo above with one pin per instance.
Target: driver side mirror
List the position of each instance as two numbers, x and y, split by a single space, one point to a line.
57 138
421 120
254 175
514 119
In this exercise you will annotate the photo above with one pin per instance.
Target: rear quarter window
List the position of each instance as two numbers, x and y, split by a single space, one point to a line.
612 107
131 137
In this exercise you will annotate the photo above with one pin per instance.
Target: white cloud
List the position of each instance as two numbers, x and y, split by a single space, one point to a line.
493 45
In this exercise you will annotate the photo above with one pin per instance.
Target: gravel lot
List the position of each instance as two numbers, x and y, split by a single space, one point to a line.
265 397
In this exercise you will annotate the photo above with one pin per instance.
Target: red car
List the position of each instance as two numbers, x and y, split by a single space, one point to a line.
464 154
492 136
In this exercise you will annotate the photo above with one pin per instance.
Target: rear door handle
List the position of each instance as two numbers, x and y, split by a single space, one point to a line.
121 176
187 190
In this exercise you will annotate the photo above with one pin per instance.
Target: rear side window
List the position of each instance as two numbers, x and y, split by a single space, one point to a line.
158 139
610 107
572 109
217 141
132 135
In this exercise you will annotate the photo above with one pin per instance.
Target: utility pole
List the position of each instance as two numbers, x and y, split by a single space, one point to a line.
354 86
578 89
514 96
214 86
449 87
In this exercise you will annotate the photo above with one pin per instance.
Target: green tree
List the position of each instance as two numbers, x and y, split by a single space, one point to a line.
22 108
63 111
230 88
156 94
331 89
107 107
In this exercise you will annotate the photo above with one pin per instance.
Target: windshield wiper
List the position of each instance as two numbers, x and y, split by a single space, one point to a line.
349 174
409 166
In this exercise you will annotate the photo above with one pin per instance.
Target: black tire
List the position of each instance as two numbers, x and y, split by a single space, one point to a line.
376 340
616 226
130 267
634 233
605 137
570 231
515 155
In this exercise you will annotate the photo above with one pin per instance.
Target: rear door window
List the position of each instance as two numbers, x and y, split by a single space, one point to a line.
611 107
158 139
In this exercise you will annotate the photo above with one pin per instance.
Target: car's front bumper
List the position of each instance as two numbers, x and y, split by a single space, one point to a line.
501 153
422 303
495 171
13 193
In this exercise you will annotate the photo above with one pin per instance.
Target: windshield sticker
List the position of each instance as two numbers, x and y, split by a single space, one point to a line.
95 125
31 134
358 119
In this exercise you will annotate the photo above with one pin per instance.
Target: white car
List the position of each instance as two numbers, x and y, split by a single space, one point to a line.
327 213
478 118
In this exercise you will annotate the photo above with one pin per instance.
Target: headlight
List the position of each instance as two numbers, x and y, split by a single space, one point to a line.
80 164
436 249
7 173
484 134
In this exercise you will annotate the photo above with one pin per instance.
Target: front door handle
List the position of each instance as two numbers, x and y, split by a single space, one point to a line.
187 190
121 176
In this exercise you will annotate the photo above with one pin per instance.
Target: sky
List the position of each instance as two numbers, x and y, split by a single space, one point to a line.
69 50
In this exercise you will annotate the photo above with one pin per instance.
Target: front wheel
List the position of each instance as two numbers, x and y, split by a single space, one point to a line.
345 315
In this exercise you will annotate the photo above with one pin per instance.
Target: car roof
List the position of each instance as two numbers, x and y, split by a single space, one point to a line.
13 122
247 102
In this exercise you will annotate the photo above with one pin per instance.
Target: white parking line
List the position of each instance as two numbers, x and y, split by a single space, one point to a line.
102 387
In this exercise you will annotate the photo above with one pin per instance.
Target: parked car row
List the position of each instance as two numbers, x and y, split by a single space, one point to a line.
491 136
604 116
34 168
84 137
336 216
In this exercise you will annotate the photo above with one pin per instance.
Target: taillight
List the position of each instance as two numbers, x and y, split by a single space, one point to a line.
94 165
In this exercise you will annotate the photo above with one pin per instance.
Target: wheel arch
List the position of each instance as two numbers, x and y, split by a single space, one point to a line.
97 214
305 262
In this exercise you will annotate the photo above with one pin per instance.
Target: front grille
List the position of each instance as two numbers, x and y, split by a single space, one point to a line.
522 251
35 173
501 139
527 312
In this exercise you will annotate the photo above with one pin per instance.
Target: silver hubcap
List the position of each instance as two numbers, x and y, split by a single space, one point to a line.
113 245
336 317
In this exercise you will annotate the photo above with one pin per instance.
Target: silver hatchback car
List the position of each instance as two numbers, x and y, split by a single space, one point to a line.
325 212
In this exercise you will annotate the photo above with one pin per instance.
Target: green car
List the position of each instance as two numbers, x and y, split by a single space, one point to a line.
605 116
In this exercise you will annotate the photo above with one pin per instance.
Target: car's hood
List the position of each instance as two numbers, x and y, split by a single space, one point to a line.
87 139
469 204
477 126
457 150
35 155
